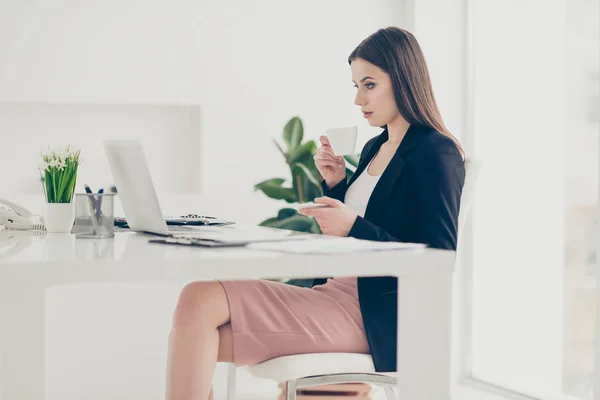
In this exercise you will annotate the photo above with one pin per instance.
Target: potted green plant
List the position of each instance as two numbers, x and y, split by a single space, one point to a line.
304 186
58 170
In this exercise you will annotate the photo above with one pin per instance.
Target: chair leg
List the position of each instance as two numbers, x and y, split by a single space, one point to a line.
389 393
231 375
290 389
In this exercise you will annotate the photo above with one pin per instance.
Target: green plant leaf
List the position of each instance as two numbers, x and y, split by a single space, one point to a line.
315 228
297 222
71 187
281 150
352 159
314 192
49 186
286 213
304 153
306 186
273 189
305 282
293 133
272 181
307 160
298 184
269 221
349 173
64 180
307 172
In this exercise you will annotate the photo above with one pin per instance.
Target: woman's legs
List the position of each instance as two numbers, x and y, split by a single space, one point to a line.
200 337
225 349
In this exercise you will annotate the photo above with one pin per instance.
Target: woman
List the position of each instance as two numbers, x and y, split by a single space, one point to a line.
407 187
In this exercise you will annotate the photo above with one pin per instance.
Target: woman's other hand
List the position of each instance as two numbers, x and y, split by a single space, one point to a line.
331 167
335 220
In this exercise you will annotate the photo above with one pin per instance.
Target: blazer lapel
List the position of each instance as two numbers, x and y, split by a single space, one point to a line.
392 172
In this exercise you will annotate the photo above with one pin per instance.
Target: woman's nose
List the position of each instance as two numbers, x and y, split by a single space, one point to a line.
358 100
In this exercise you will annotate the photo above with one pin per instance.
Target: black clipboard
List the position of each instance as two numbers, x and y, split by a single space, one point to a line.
191 241
122 222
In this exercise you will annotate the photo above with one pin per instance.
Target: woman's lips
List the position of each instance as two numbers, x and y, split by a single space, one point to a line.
367 114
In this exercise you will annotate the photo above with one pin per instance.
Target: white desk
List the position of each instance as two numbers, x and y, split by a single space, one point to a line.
29 264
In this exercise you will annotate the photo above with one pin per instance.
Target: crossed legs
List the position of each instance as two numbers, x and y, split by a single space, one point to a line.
200 337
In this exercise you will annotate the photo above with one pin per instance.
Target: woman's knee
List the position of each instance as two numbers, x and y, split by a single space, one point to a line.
202 303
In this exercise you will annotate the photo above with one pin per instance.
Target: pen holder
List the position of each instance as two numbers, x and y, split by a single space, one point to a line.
94 215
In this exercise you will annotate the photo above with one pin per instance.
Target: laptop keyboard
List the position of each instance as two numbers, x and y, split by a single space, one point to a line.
180 228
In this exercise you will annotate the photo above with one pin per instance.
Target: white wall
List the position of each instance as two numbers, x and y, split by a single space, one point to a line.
440 28
250 65
171 137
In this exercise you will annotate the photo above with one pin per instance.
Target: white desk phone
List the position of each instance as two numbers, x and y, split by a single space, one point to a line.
13 216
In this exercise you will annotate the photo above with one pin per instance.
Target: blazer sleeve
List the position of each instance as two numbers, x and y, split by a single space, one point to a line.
337 192
439 177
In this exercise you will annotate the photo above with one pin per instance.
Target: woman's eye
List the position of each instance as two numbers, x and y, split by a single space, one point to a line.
367 85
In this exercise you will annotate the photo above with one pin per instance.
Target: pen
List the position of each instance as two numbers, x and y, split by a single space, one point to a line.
99 203
92 208
89 191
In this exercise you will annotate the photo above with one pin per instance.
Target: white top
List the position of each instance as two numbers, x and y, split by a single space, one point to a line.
359 193
357 198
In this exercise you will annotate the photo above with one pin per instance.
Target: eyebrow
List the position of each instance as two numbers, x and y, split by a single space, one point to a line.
364 79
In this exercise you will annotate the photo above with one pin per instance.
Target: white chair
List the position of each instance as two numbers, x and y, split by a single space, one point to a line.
305 370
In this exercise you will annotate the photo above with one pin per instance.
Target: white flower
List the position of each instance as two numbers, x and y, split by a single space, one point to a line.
62 156
46 154
43 165
53 157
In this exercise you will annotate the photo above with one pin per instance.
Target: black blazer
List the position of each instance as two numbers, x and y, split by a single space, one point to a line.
416 200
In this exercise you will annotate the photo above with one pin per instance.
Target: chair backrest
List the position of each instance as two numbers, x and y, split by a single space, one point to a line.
472 167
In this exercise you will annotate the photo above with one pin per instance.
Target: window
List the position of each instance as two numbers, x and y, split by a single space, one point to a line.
536 126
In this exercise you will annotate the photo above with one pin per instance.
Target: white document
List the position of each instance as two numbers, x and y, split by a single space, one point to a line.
331 245
242 234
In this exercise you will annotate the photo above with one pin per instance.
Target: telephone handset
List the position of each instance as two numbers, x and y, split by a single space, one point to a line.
13 216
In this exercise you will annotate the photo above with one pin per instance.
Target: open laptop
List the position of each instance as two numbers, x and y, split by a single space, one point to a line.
127 162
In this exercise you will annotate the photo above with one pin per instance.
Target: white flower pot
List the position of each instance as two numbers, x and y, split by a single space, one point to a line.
59 217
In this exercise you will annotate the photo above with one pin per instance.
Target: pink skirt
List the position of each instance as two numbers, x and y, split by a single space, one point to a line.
273 319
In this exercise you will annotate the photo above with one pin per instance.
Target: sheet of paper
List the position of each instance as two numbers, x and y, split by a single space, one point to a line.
242 235
333 246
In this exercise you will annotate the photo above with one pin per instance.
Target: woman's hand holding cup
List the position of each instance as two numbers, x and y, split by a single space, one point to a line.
331 167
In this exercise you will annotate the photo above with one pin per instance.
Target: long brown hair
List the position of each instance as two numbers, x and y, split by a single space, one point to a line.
397 52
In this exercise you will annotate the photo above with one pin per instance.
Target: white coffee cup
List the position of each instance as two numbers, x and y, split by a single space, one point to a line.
342 140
